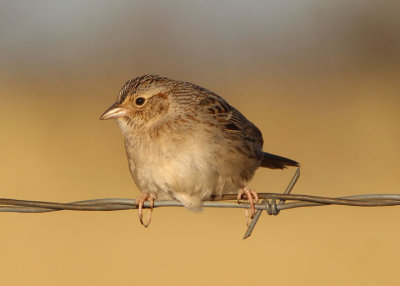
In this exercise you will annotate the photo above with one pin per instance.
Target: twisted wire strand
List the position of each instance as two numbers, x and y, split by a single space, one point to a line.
269 203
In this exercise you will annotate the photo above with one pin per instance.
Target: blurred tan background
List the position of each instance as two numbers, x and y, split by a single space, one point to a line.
319 78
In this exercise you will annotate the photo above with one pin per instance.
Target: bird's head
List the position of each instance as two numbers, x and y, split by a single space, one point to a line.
142 101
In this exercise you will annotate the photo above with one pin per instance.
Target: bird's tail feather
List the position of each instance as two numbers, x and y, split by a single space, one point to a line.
276 162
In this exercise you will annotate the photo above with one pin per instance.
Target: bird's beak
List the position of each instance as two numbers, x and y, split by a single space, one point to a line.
115 111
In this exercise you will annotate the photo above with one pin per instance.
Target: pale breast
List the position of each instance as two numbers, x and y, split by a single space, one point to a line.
189 167
172 164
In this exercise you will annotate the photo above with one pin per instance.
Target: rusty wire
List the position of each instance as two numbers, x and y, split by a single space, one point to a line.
269 203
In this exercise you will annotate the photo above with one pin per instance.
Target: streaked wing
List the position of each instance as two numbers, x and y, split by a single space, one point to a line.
237 122
234 123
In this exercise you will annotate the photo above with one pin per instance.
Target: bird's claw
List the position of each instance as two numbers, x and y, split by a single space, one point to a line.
252 197
140 202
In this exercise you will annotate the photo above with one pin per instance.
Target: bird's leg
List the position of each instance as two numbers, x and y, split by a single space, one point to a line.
252 196
140 202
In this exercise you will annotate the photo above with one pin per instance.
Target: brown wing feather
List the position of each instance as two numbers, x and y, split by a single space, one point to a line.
235 124
247 129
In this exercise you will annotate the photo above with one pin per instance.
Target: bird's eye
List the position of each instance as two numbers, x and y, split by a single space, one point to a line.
139 101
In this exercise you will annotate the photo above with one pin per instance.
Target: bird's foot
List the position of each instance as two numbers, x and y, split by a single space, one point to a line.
252 197
140 202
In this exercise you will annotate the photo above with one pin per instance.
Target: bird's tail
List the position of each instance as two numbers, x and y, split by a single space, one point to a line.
276 162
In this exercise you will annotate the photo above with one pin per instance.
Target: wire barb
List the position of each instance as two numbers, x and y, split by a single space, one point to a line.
270 207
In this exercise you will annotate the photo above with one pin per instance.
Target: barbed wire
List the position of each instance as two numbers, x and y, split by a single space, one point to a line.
269 203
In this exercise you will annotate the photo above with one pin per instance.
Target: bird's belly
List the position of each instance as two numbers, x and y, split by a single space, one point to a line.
189 171
164 174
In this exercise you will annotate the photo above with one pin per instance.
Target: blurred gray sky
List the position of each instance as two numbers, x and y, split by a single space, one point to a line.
81 38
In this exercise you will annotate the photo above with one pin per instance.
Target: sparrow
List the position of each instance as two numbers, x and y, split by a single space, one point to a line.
186 143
